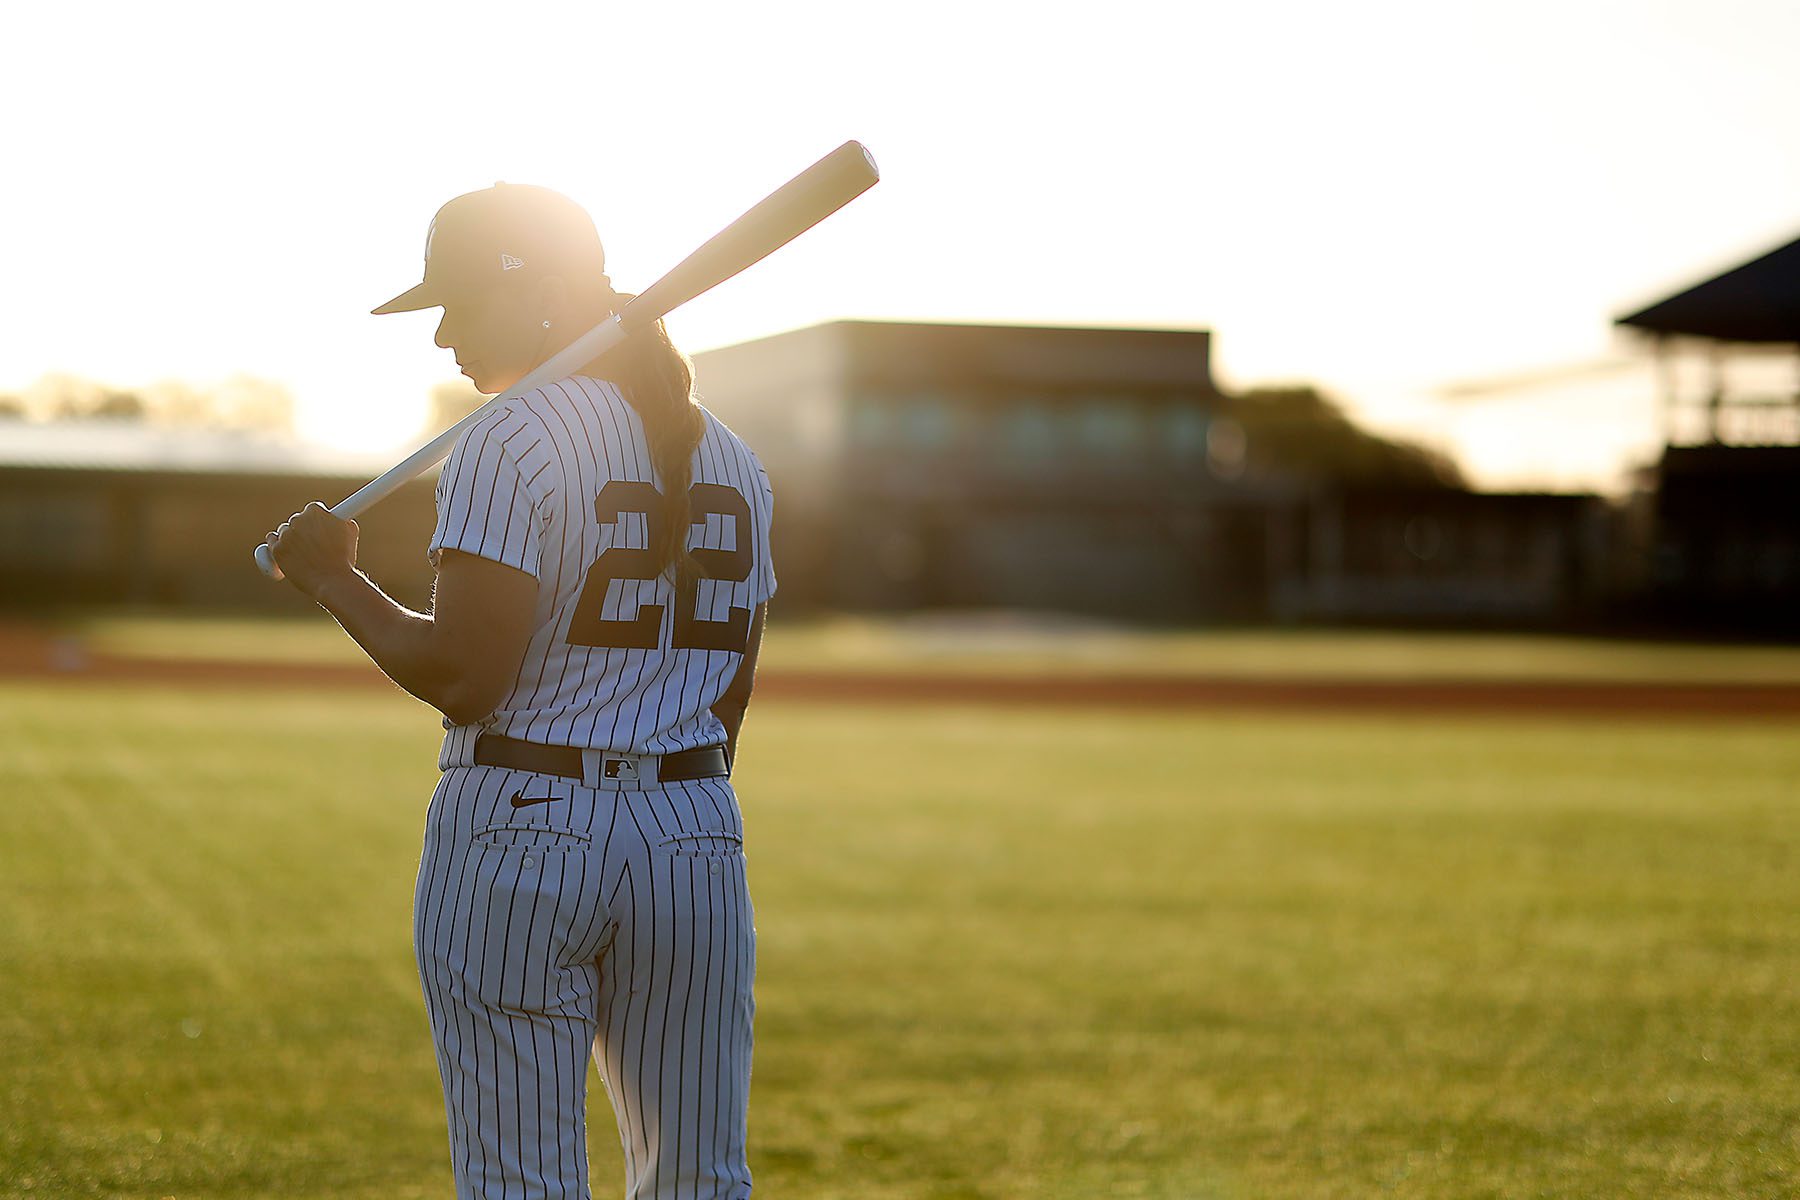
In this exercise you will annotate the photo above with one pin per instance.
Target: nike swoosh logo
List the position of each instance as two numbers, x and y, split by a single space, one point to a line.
520 800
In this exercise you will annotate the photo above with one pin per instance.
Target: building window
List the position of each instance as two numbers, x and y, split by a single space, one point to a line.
927 421
1184 431
1111 425
871 424
1028 429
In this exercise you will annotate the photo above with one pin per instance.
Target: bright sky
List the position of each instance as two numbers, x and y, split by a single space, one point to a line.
1380 197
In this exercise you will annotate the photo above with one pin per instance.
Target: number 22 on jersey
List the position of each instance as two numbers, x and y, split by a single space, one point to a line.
639 632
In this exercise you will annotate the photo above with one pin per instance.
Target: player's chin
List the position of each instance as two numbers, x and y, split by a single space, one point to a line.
490 383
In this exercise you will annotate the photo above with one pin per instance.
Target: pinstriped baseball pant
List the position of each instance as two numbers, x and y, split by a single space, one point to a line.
615 922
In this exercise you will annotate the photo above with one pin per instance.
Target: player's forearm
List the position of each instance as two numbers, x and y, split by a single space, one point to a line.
403 643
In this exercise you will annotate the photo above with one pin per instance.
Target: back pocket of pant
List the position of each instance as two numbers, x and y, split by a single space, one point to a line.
532 837
706 844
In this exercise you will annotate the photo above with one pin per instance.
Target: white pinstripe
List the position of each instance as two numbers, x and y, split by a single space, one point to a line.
615 921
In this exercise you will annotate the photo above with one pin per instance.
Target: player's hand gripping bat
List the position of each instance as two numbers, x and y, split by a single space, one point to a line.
778 219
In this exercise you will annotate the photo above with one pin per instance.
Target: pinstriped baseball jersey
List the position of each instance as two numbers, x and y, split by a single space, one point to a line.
559 484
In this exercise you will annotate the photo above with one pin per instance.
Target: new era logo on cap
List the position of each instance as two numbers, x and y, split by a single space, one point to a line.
509 263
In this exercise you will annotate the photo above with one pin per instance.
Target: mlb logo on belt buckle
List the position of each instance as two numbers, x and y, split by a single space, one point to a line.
616 769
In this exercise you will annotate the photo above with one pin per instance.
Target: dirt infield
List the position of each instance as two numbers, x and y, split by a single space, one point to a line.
31 653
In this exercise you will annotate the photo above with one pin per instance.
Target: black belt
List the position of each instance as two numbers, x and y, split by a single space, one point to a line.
494 750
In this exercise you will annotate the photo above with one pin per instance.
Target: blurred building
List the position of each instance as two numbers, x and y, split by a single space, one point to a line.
964 466
959 466
1100 470
104 512
1725 548
1719 514
1445 556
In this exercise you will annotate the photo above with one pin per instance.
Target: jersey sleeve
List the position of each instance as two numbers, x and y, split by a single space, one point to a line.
764 501
484 506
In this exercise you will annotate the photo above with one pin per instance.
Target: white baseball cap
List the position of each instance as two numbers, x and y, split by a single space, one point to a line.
505 232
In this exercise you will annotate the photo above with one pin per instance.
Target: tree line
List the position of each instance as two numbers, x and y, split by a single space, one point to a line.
1298 430
238 402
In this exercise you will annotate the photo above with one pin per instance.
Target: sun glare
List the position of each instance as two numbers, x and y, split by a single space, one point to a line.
1308 228
352 424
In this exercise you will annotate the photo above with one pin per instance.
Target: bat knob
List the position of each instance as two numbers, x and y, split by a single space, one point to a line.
265 559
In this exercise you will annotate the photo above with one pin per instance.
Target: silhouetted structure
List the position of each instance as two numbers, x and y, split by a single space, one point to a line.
1444 556
1758 301
1724 515
1726 549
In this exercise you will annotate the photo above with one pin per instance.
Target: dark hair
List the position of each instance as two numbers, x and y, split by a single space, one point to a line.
658 381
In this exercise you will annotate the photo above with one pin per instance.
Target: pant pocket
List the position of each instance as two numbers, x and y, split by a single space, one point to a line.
522 836
701 844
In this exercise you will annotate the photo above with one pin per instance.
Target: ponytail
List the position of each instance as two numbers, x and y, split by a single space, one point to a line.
657 380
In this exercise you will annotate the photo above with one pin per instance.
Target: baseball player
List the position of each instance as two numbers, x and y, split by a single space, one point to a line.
603 567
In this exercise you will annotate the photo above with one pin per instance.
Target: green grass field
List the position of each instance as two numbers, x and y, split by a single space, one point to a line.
1003 953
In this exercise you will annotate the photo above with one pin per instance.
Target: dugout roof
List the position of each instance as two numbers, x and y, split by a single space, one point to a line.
1758 301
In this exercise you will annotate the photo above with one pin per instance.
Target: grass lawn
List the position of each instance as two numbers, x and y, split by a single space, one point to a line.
1002 953
1021 645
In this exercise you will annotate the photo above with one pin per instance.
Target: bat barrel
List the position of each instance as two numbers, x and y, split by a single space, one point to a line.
778 219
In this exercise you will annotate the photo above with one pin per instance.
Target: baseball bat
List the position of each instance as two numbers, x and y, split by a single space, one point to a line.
772 223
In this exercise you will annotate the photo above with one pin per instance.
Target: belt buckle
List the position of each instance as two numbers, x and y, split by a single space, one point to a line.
610 770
